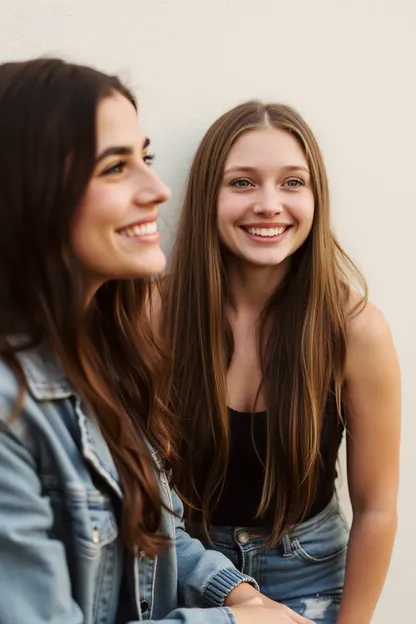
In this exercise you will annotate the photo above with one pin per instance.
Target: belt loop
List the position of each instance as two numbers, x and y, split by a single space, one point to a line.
287 550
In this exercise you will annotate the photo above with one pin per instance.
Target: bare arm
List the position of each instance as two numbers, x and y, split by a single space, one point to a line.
373 425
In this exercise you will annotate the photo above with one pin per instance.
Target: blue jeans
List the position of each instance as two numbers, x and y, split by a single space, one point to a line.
305 571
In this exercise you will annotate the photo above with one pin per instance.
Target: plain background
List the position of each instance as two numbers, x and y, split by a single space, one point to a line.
348 67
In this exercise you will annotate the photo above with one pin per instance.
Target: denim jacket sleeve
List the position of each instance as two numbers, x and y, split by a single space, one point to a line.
34 579
35 585
205 577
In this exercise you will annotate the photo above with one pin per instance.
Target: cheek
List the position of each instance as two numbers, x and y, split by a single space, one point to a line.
92 223
303 211
106 207
100 211
231 209
226 219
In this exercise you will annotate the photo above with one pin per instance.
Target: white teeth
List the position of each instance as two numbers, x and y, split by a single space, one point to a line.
140 230
266 231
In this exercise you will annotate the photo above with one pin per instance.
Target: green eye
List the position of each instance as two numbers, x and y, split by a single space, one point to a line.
241 183
116 168
294 182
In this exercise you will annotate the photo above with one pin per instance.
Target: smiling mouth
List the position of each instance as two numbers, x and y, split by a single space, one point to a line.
268 232
144 229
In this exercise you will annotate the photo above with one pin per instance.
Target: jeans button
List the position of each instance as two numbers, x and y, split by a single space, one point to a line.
144 605
243 538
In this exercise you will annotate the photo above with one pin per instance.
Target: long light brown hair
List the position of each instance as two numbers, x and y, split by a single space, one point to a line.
304 320
47 157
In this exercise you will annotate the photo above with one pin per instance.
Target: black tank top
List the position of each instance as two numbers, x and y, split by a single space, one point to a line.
241 495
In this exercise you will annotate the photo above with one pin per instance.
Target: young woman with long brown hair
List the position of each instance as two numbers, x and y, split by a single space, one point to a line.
90 530
276 351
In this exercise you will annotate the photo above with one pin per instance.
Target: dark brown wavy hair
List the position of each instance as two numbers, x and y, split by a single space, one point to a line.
47 156
304 321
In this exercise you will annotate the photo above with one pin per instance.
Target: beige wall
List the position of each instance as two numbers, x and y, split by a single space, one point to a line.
349 67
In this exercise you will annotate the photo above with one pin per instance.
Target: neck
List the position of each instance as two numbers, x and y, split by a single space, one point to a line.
91 288
250 286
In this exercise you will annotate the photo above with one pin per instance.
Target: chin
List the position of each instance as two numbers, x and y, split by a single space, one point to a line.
148 265
266 262
152 269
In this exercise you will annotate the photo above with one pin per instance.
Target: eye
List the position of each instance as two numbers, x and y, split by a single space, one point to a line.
294 183
149 158
241 183
118 167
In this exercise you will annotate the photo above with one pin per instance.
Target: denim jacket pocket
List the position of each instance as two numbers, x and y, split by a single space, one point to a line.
83 515
323 542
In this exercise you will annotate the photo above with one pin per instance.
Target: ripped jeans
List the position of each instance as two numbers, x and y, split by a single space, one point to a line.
305 572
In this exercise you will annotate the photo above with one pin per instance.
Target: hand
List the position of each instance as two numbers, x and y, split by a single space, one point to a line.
244 593
278 614
250 607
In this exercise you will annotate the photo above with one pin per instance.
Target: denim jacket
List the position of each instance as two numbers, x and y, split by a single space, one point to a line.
62 559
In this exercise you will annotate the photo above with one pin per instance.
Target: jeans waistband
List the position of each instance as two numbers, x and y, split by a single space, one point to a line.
226 532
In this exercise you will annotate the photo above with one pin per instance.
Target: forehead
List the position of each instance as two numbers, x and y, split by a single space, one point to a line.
117 123
266 147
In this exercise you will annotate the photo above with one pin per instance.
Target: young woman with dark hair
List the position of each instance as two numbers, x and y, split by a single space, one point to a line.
90 529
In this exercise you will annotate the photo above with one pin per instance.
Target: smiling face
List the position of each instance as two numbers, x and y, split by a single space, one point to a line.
114 234
266 202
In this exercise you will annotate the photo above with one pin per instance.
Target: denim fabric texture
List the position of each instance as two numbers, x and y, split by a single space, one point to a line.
305 572
62 559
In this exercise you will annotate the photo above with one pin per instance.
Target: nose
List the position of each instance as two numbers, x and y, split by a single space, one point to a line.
269 202
151 190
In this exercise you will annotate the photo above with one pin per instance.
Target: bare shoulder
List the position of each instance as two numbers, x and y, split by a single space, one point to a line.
366 323
369 338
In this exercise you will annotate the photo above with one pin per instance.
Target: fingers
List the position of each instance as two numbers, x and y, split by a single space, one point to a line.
299 619
295 617
251 614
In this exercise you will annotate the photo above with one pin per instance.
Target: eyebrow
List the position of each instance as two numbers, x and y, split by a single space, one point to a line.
254 169
119 150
